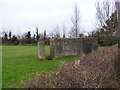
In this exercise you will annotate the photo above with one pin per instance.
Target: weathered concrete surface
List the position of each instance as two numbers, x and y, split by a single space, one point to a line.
41 50
65 47
74 46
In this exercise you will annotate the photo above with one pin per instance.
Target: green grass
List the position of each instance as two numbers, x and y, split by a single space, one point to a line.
102 47
20 61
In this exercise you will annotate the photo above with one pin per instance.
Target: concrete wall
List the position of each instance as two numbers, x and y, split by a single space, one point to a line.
74 46
68 46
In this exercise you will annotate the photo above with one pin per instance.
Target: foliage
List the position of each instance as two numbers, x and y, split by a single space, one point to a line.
89 44
10 41
14 40
108 40
25 39
37 36
107 19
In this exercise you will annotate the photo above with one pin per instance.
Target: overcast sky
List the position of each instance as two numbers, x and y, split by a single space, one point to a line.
20 16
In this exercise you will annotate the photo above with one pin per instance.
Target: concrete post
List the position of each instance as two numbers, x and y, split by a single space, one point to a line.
41 50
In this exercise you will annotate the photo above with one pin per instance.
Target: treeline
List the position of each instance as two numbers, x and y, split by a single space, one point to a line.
25 39
32 39
106 31
106 35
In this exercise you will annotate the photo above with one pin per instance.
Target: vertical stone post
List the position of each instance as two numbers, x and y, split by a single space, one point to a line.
41 50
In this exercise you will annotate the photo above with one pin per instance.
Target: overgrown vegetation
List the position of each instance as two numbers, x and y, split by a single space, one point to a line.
20 61
94 70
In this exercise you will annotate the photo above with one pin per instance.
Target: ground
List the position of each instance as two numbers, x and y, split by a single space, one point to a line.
93 70
20 61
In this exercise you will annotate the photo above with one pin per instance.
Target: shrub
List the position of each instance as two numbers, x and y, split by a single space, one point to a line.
107 40
89 44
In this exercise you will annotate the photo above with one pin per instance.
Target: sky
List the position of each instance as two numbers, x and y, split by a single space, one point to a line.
20 16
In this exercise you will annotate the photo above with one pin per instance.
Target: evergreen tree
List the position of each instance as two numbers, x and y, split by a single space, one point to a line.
37 34
34 37
45 34
10 34
28 36
6 36
106 35
14 40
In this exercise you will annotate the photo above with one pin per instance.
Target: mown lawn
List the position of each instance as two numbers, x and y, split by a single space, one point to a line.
20 61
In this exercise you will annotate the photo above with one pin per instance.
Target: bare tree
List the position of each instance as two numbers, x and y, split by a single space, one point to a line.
72 32
104 11
51 35
56 32
76 21
107 22
64 31
44 34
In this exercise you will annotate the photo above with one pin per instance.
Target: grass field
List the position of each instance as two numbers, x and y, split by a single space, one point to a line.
20 61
